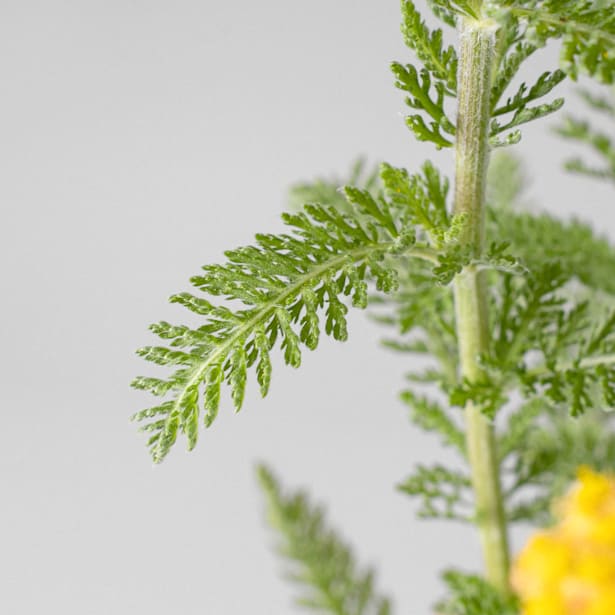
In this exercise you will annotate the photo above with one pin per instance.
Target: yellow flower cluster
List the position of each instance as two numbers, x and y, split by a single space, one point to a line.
570 568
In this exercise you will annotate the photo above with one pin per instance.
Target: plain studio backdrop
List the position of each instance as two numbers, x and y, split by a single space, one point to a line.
139 139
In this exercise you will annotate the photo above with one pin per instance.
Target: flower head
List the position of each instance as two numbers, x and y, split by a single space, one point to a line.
570 568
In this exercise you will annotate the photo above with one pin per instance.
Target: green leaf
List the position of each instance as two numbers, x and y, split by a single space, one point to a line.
519 427
489 395
422 197
444 493
470 594
544 458
419 85
283 285
586 29
540 238
329 190
430 416
440 61
511 60
523 115
451 262
453 8
601 143
545 83
320 562
506 181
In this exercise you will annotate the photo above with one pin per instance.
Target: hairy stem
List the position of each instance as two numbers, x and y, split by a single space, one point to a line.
478 40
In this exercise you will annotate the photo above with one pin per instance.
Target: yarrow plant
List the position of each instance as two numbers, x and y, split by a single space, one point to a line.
514 307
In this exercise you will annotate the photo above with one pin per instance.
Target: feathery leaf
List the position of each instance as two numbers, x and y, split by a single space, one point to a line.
285 285
319 561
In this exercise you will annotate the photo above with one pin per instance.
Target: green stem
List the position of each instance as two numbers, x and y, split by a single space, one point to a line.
478 41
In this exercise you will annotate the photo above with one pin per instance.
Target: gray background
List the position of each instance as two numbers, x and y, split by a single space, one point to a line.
138 140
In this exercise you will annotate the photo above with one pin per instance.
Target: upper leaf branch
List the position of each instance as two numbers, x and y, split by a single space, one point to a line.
284 281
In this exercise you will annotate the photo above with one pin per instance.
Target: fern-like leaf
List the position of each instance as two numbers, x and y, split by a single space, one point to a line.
430 416
518 104
288 285
428 96
586 28
319 561
540 237
330 190
429 85
546 457
600 142
441 61
444 493
512 59
470 594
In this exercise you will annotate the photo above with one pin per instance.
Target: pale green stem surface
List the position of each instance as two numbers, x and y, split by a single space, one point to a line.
478 48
